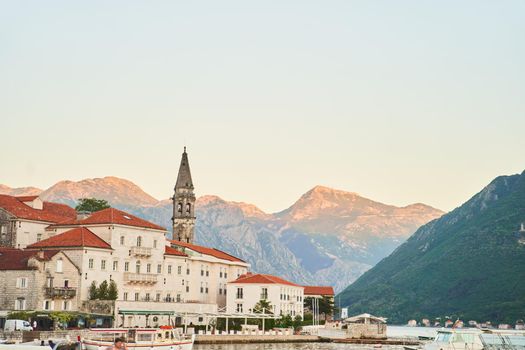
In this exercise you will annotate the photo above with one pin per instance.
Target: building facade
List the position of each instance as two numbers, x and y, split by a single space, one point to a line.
23 220
285 298
44 281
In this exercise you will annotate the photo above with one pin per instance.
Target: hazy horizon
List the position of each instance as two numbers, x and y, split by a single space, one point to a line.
401 102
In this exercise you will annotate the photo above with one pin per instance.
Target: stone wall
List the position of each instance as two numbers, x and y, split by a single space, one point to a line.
361 330
11 337
7 229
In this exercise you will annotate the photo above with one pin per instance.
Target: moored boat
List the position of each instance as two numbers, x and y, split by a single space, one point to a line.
165 338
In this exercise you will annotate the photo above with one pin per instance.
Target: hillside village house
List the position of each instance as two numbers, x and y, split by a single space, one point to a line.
37 280
286 298
23 220
159 281
318 292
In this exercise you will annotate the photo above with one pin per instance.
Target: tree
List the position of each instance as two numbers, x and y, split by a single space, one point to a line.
263 306
91 205
326 305
297 322
61 318
103 289
112 290
284 322
93 291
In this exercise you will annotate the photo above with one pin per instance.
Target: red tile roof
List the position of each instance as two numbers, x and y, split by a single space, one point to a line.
51 212
26 198
263 279
111 216
16 259
318 290
77 237
172 251
207 251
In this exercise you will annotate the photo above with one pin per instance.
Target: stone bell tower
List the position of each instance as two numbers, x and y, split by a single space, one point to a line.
184 203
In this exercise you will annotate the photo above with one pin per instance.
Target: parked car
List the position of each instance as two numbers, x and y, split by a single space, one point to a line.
17 325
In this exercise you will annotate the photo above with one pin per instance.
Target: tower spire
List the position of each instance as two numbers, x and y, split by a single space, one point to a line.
184 203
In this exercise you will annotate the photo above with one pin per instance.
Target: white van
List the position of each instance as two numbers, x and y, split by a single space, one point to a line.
17 325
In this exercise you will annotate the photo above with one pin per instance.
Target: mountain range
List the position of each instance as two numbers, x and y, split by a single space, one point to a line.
468 264
327 236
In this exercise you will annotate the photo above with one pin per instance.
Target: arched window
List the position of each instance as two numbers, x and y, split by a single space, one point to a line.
179 208
139 241
188 208
138 267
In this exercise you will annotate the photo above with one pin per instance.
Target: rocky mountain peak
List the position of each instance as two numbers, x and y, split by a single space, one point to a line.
113 189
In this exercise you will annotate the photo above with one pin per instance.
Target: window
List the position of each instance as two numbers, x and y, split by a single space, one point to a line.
121 240
157 297
178 298
202 288
159 268
179 270
206 289
220 273
47 305
21 282
202 270
115 265
148 268
169 269
187 271
239 308
38 237
126 266
155 244
168 297
102 264
139 241
207 272
90 264
188 208
3 229
179 208
264 293
125 296
59 265
136 296
225 274
239 293
187 289
147 297
66 283
137 267
20 304
65 305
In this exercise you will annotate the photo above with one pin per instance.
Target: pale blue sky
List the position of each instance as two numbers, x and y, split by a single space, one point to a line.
400 101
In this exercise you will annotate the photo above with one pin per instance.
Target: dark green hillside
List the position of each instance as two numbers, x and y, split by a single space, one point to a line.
469 264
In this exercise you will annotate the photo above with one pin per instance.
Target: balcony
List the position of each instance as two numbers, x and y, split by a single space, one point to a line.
141 251
140 278
61 292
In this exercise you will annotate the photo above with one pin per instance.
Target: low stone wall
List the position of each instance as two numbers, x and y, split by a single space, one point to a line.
239 339
12 337
60 334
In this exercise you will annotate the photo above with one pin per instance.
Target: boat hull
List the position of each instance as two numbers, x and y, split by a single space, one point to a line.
175 345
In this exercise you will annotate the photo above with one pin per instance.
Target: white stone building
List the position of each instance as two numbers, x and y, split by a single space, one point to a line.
23 220
286 298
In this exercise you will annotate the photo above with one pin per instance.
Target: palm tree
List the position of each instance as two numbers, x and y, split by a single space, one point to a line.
263 306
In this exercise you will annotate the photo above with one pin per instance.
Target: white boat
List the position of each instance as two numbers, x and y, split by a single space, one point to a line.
475 339
165 338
